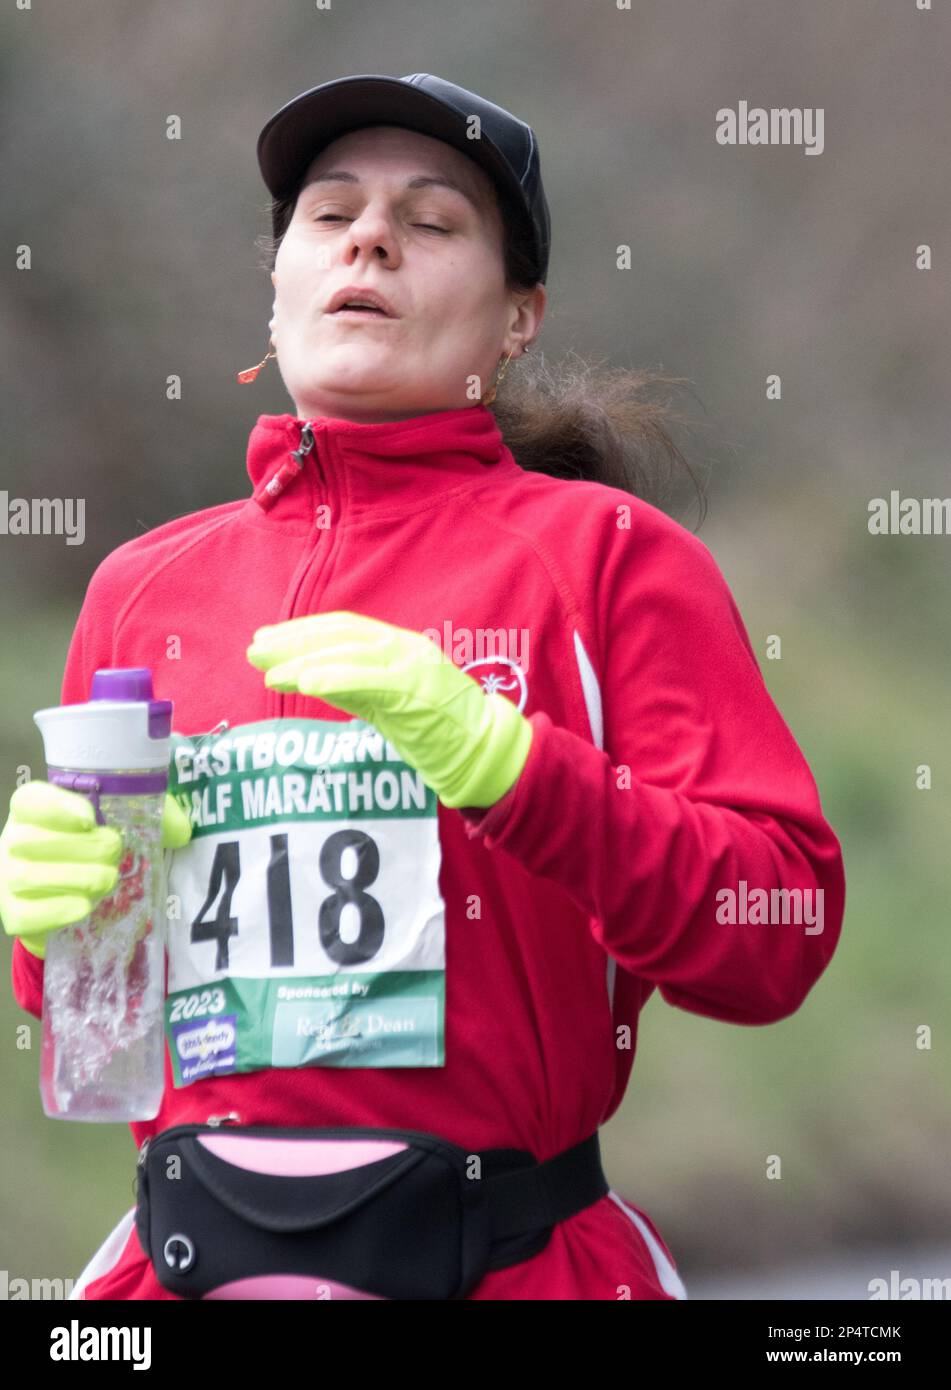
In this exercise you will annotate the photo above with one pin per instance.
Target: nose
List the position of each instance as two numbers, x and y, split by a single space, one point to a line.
371 236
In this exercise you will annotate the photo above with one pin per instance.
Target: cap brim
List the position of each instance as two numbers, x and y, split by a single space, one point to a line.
296 134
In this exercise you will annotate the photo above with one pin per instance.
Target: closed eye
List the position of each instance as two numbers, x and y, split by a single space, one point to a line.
339 217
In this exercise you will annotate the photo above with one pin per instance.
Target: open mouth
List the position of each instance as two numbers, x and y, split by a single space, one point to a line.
360 301
362 310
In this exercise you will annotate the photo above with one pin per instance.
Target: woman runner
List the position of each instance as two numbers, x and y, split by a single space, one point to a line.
581 765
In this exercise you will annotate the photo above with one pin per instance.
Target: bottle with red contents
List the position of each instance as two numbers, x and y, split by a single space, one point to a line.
104 977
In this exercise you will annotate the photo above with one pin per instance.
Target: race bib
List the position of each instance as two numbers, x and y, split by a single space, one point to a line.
305 922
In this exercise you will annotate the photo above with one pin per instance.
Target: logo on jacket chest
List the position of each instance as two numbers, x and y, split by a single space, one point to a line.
502 675
497 657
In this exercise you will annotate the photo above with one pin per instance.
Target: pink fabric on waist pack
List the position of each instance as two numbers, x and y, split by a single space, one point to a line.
288 1286
298 1158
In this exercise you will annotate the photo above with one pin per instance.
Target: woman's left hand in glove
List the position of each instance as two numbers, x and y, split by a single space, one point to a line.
467 746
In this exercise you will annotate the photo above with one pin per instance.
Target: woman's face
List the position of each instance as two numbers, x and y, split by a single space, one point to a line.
434 252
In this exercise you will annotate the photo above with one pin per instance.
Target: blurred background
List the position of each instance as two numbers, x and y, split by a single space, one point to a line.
747 261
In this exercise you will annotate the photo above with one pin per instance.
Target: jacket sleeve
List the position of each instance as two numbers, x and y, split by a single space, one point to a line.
700 795
89 648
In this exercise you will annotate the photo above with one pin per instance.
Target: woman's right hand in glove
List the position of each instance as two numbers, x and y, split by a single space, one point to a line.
56 862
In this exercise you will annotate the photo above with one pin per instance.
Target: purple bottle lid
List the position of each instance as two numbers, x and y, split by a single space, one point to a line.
133 683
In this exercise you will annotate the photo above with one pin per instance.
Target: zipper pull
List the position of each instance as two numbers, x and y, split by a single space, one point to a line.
143 1152
306 443
268 492
232 1118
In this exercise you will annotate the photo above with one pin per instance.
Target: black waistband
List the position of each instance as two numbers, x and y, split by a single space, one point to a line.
411 1225
527 1198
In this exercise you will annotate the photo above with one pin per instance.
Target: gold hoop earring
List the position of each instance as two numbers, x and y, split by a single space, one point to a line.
489 396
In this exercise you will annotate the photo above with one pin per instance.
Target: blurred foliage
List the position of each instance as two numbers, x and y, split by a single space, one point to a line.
746 262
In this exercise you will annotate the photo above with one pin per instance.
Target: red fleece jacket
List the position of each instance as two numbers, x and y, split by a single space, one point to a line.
662 785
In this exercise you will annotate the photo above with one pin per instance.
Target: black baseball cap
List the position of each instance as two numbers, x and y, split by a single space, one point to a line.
507 149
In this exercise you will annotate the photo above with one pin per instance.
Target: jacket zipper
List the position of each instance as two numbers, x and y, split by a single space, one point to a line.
290 469
307 445
269 491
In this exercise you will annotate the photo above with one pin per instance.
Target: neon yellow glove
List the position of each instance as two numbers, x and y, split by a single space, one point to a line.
56 862
467 746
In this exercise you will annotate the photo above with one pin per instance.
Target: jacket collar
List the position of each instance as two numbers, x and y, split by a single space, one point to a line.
395 466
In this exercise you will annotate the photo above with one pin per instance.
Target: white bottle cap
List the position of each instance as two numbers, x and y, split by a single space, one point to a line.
121 727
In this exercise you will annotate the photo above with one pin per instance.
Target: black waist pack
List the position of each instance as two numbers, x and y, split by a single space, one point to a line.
261 1212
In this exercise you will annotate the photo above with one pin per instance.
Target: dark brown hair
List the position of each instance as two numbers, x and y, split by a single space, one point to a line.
581 419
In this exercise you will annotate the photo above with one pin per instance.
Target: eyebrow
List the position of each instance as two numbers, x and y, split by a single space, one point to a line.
419 181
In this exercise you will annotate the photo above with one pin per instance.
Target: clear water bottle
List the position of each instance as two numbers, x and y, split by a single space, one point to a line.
103 1055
